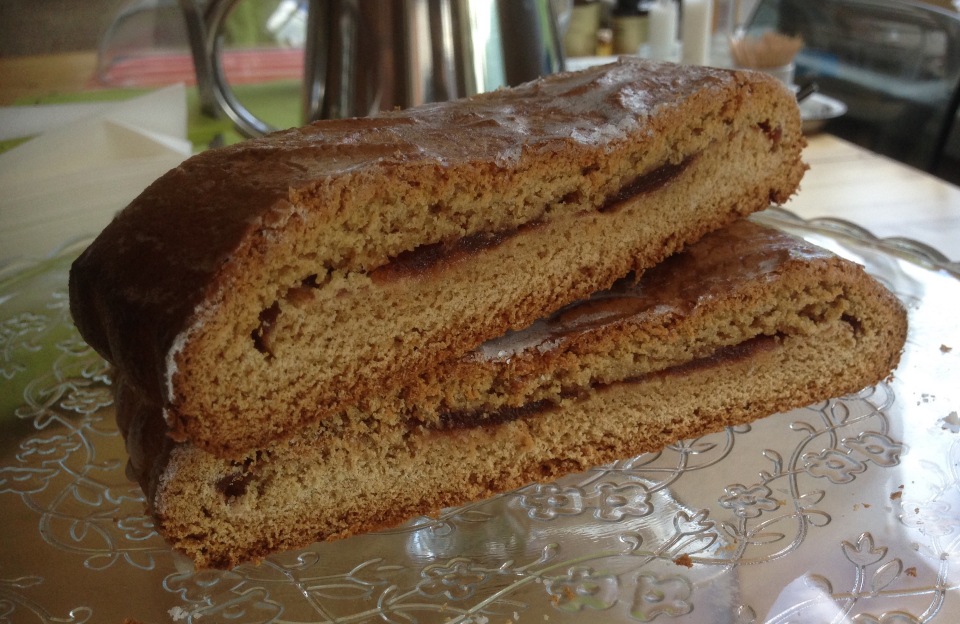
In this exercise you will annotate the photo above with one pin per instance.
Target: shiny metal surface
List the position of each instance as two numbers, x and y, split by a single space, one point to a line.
245 121
532 44
847 511
400 53
196 36
374 55
366 56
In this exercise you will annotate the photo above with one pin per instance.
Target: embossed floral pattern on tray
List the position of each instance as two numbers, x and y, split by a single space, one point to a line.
844 511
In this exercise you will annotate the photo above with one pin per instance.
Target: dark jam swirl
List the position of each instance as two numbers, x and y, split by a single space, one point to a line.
457 420
427 259
649 182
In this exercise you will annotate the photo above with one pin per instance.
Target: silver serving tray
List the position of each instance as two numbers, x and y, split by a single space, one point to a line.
845 511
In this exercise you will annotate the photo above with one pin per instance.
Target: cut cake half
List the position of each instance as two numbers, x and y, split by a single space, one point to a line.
266 285
747 322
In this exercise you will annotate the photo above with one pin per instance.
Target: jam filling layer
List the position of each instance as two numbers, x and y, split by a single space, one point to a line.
243 475
235 483
649 182
427 259
457 420
430 259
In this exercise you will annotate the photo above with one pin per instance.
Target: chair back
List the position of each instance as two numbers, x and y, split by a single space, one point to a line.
894 63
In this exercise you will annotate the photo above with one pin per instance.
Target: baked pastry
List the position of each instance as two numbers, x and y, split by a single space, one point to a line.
747 322
265 285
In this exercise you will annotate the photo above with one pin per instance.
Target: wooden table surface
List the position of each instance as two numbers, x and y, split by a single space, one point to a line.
844 181
882 195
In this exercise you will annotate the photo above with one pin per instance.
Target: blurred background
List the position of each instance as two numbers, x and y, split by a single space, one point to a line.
51 26
30 27
893 64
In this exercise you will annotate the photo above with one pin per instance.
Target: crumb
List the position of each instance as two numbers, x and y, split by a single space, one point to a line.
896 495
684 560
912 572
177 614
945 349
866 505
951 422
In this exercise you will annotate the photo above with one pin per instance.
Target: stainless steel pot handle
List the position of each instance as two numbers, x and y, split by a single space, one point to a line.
315 58
197 37
246 122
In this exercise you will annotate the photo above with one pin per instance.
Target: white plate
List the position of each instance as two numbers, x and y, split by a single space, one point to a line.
818 109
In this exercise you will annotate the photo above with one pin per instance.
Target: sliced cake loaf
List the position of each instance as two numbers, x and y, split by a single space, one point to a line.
270 284
747 322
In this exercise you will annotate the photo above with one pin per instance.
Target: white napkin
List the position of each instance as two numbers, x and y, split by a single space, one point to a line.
70 180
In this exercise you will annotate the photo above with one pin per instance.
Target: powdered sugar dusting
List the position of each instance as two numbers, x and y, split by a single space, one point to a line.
179 343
